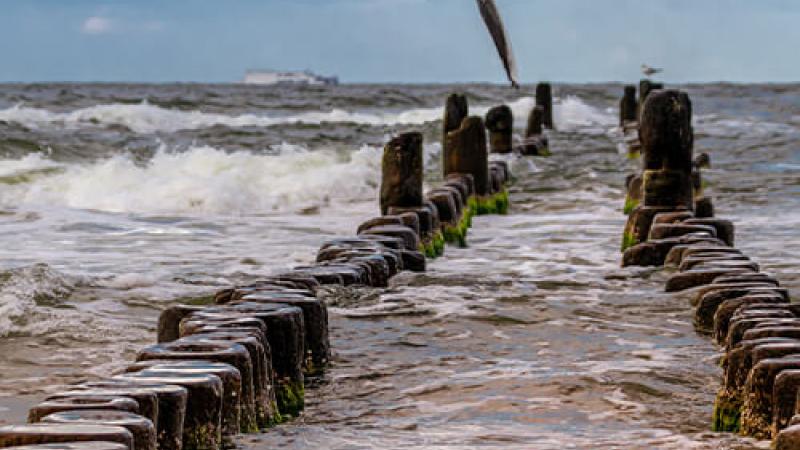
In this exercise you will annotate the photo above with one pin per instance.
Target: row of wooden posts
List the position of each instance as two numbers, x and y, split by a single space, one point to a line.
241 364
745 311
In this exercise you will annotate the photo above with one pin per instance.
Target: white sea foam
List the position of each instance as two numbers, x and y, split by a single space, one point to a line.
146 118
201 180
572 113
22 289
30 164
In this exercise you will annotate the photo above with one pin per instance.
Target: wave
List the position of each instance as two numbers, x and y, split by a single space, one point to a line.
573 114
146 118
200 180
28 293
714 125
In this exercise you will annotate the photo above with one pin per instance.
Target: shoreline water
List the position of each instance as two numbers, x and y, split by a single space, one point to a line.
585 177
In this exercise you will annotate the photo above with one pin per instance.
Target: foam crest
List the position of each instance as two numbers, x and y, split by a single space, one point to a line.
147 118
572 114
31 163
24 289
205 180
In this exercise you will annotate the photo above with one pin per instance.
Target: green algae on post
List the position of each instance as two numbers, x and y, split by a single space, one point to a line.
628 240
491 204
291 398
630 205
455 234
434 247
727 412
438 243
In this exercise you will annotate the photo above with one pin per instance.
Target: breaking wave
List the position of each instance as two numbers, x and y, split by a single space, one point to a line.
146 118
28 293
200 180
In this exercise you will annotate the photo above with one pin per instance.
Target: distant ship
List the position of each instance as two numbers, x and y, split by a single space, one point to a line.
305 77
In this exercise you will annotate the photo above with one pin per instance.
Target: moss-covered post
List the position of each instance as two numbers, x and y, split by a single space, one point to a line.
500 123
628 106
401 182
467 154
456 109
666 133
544 98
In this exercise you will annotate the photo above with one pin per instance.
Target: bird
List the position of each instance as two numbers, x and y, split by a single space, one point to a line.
491 16
648 71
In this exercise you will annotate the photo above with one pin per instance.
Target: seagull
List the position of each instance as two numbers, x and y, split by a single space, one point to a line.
491 16
648 71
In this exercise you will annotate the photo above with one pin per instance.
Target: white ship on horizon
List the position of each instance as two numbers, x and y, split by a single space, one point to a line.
272 77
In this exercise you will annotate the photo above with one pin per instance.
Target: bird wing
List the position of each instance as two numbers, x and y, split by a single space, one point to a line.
494 23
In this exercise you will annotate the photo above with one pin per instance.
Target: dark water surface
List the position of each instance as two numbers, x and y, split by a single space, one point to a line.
117 200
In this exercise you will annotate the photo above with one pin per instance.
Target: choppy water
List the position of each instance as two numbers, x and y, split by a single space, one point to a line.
116 200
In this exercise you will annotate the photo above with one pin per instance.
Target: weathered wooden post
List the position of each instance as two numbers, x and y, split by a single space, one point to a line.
401 182
666 133
142 429
456 109
544 98
535 124
535 142
500 123
112 437
628 106
467 154
645 87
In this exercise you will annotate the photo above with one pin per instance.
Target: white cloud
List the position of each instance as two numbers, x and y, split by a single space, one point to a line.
97 25
100 24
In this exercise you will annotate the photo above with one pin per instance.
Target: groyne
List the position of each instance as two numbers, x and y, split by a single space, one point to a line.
243 364
741 309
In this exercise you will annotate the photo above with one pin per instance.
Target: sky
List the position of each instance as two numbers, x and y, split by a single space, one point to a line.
407 41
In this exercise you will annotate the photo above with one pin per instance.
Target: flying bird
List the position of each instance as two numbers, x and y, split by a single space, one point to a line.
491 16
649 71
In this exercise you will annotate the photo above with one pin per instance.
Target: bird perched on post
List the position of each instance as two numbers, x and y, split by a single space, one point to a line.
648 71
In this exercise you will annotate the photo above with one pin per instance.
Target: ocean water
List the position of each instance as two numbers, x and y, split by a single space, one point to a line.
119 200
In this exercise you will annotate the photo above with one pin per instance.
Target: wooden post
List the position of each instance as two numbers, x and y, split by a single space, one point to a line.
665 131
401 182
535 122
456 110
544 98
628 106
535 142
467 153
500 123
645 87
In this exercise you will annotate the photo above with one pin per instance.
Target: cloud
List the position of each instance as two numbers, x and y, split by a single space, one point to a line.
97 25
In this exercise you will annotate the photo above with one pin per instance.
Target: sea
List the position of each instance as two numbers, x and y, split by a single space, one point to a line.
118 200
